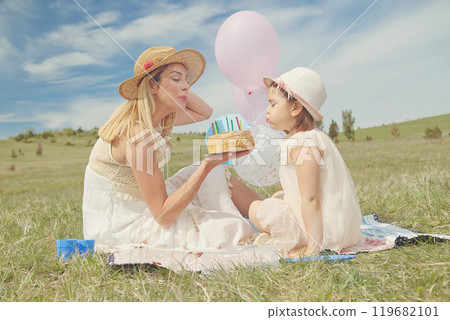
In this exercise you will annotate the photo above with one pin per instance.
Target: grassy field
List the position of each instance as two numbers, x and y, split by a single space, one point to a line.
409 130
405 181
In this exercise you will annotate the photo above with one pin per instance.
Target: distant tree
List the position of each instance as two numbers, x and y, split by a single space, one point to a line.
30 132
69 132
333 131
431 134
80 130
319 125
394 130
20 137
348 122
47 133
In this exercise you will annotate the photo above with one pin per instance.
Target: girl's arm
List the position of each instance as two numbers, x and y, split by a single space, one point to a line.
308 176
196 110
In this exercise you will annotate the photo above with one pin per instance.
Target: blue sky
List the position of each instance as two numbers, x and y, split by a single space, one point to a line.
58 69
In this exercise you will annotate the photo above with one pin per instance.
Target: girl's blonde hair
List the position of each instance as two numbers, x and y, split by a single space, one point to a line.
305 120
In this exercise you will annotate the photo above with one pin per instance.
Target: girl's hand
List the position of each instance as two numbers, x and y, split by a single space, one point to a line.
219 158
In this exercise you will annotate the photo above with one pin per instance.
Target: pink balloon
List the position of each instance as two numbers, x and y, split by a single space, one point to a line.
252 105
247 49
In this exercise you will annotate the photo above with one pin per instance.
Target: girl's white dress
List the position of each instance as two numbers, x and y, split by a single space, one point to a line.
115 214
340 207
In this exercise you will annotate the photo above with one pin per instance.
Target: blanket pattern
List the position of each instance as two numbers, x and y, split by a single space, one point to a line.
379 236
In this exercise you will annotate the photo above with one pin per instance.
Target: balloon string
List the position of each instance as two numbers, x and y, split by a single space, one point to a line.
252 97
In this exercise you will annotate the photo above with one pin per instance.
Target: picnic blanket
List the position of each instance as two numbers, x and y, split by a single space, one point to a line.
384 236
379 236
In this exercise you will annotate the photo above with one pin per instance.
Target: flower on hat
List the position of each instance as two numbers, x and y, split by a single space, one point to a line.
148 64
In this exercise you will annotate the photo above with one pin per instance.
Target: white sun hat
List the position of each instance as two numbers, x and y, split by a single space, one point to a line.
306 86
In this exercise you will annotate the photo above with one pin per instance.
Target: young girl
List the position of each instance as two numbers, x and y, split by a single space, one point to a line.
318 208
126 199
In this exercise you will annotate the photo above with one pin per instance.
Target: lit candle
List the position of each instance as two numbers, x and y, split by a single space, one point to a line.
217 127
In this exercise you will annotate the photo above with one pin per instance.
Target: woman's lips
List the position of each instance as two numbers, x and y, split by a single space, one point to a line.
184 98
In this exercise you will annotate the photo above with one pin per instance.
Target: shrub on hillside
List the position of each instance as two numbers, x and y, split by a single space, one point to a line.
47 133
20 137
348 122
333 131
431 134
394 130
69 132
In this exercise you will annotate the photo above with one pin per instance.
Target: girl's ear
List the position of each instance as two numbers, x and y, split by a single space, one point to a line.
296 108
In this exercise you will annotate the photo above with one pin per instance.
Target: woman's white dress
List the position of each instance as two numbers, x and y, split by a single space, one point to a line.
115 214
341 213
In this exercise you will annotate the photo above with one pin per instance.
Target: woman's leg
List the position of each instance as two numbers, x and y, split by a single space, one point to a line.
242 196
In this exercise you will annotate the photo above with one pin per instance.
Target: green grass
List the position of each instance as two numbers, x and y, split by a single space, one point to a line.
405 182
409 130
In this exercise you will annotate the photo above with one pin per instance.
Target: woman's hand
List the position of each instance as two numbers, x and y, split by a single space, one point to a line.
214 160
278 195
196 110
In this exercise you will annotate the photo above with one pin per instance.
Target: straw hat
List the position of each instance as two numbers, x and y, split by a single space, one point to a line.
155 57
306 86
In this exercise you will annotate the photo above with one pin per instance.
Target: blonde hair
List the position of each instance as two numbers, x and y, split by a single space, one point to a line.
139 110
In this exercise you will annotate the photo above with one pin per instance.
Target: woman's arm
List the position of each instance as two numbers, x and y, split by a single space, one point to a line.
308 176
165 209
196 110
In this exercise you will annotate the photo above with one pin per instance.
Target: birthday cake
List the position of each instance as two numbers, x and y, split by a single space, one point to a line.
231 141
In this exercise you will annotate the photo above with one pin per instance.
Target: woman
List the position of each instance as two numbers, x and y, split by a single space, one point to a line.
126 199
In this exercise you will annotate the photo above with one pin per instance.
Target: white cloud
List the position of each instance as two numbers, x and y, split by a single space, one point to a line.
392 71
85 112
169 26
82 112
58 66
391 63
6 49
6 117
89 45
90 112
